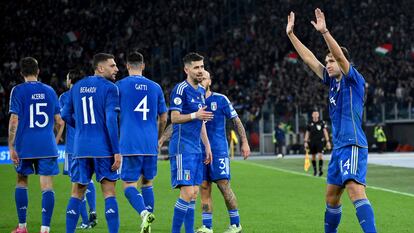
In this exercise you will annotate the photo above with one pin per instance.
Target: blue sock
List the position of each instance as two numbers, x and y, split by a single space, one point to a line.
91 196
148 195
234 217
48 203
207 219
20 196
84 212
365 215
189 218
135 199
332 218
111 214
180 211
72 214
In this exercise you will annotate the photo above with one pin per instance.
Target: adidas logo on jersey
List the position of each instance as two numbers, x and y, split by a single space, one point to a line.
43 210
192 100
110 211
223 173
71 212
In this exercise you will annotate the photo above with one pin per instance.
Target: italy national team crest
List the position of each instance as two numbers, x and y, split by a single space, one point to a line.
213 106
187 175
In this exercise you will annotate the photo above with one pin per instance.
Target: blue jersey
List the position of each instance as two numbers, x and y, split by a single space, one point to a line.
94 103
36 105
346 105
70 131
141 101
185 137
222 109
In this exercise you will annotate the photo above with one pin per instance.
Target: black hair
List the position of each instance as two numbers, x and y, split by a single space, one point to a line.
190 57
29 66
75 75
344 51
135 58
101 57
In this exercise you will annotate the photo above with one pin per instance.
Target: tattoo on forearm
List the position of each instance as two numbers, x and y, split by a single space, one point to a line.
167 132
228 194
12 129
238 125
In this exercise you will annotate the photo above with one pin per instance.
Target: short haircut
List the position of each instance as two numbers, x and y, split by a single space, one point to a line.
135 58
190 57
101 57
28 66
344 51
75 75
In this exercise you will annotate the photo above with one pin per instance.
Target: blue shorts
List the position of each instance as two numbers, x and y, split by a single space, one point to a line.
43 167
82 170
186 170
135 166
219 169
67 164
348 163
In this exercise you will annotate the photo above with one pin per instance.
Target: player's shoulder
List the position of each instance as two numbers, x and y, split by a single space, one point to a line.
221 97
64 95
180 88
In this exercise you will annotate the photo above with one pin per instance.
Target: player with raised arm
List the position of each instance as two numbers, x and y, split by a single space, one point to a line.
218 171
188 112
34 109
348 166
72 77
92 109
143 116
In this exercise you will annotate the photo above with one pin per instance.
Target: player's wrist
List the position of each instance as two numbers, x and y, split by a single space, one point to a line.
193 115
323 31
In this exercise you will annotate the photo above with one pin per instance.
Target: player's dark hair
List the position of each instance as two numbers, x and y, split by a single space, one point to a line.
101 57
190 57
28 66
344 51
135 58
75 75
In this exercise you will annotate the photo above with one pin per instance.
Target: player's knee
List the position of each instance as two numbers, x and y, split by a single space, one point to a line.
78 190
22 181
146 183
46 182
333 198
129 184
355 190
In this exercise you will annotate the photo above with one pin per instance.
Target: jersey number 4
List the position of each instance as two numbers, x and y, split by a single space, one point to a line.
38 113
142 107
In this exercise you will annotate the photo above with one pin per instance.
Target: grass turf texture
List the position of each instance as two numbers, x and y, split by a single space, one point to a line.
270 200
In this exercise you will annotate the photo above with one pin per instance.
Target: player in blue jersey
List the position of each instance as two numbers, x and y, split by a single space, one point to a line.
34 110
218 171
72 77
188 112
348 166
143 116
92 109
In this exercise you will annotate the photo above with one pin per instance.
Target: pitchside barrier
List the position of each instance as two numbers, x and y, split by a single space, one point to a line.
5 155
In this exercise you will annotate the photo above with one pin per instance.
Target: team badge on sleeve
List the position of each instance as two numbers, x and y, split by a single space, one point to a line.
213 106
177 100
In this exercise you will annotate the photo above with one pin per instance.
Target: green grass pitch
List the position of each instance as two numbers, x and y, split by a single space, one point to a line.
273 195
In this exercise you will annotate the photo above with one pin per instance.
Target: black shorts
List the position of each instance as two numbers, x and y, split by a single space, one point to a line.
316 147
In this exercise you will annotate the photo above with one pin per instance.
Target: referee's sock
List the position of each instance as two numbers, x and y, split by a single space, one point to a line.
320 165
314 166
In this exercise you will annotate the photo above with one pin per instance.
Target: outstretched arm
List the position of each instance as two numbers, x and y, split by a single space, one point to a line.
307 56
334 48
245 148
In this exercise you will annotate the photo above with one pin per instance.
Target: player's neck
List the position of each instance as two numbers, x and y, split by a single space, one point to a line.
192 83
31 78
135 72
208 93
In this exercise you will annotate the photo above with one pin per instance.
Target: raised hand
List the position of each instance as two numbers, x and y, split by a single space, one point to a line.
320 24
290 23
204 115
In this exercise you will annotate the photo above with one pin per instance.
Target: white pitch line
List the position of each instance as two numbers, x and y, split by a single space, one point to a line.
317 177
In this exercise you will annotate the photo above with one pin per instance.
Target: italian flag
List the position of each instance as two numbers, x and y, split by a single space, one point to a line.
292 57
383 49
71 36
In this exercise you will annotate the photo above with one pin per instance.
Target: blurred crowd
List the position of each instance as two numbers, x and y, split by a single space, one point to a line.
248 59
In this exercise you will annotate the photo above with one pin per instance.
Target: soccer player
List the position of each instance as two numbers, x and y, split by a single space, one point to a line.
187 115
34 109
92 109
143 117
348 166
218 171
72 77
316 136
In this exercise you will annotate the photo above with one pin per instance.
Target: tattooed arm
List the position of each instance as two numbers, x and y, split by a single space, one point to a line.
165 136
13 123
238 126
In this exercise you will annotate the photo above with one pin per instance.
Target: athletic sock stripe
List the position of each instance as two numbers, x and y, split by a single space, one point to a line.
361 203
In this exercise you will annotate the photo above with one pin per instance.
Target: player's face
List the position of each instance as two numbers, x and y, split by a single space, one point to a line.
68 82
315 116
195 71
108 69
332 66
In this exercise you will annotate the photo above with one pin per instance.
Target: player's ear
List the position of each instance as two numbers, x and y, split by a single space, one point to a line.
185 69
143 66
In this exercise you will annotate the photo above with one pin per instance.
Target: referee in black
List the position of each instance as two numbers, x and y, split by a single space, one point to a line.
315 138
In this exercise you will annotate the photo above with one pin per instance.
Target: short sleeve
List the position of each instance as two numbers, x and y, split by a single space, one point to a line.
161 102
15 104
354 75
228 108
112 99
176 99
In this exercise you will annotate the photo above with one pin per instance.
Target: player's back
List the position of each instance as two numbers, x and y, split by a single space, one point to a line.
35 104
92 97
70 131
141 101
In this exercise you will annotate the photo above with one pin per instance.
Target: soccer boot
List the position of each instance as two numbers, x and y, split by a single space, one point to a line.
147 219
84 226
20 230
204 229
92 219
320 173
234 229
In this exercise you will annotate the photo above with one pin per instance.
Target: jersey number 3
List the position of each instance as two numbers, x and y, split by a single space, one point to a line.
142 107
